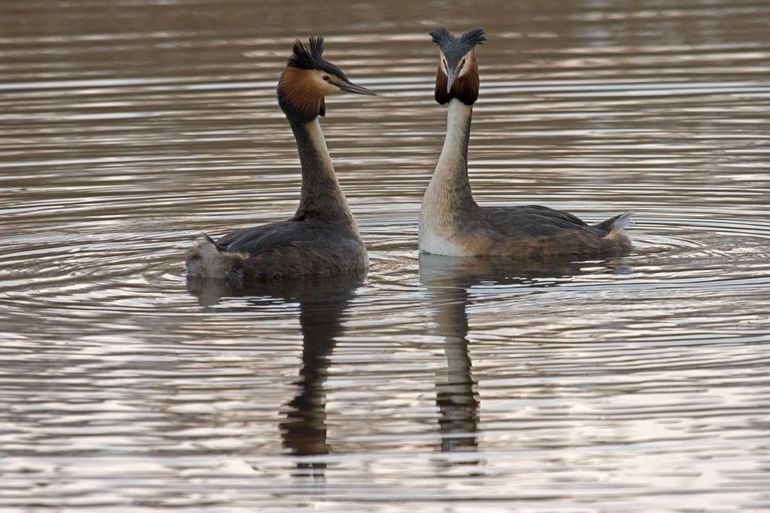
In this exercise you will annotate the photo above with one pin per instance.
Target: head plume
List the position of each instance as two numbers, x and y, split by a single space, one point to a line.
457 75
307 56
308 78
453 47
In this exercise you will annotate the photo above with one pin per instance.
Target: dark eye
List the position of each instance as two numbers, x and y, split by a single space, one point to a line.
326 78
462 63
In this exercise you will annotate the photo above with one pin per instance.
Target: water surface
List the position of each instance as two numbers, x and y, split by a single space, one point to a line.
637 384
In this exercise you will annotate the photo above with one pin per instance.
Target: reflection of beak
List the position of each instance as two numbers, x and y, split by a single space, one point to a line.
451 77
350 87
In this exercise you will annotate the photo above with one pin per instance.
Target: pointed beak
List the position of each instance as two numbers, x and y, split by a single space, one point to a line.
451 77
350 87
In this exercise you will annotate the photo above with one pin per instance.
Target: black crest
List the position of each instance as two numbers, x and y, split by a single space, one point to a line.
307 56
310 56
466 88
453 47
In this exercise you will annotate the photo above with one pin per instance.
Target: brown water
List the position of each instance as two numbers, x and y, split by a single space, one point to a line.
640 384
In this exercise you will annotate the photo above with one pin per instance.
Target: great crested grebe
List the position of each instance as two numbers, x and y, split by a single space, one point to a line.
453 224
322 238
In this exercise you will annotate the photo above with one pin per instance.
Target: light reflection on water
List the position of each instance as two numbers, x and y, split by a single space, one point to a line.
434 384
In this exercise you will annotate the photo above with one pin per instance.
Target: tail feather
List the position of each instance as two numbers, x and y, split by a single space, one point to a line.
616 225
206 259
212 241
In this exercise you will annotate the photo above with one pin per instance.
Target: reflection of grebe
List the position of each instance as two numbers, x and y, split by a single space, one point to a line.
456 389
322 238
322 306
447 281
452 223
303 428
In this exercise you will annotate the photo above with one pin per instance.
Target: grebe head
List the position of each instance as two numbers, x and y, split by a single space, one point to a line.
308 78
458 72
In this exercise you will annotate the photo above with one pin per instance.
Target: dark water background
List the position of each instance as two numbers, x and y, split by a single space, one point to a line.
635 385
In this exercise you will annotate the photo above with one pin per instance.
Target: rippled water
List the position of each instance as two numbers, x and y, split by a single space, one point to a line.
639 384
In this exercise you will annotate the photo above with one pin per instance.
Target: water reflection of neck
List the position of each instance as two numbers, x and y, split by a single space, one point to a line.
456 389
303 430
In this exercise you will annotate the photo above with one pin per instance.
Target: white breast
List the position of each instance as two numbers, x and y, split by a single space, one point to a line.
435 242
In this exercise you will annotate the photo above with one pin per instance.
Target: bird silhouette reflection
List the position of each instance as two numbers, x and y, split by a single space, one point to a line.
447 282
322 305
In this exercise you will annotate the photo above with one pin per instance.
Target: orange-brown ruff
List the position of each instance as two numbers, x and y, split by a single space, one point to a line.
452 223
322 238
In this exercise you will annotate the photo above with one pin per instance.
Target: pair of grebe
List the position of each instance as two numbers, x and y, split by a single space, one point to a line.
322 238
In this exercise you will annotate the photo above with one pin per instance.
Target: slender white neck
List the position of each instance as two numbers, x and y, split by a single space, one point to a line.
454 153
449 184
